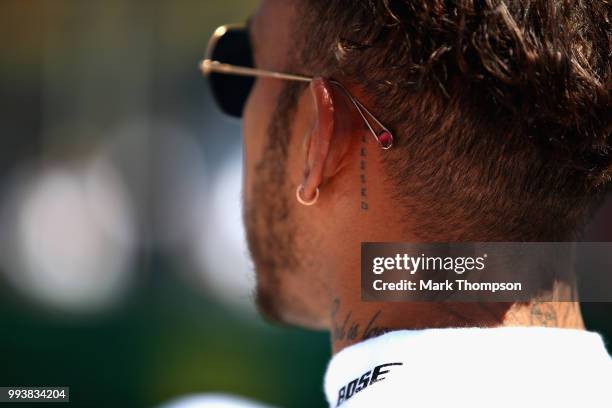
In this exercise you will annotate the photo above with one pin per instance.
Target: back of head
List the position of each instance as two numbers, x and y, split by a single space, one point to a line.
501 109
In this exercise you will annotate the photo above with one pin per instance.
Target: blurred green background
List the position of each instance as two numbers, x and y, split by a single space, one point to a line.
83 79
123 271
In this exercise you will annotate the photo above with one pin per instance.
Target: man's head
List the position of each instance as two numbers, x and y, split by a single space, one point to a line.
501 116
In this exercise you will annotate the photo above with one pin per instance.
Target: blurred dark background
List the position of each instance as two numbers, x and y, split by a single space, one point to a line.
123 268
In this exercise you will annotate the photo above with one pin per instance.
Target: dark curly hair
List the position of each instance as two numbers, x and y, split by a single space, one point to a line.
501 109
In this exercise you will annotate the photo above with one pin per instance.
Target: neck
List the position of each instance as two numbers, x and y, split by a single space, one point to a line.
353 321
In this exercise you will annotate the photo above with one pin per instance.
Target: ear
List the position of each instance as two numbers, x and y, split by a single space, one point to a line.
327 144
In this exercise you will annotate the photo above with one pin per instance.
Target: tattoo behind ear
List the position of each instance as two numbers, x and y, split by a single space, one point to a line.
363 192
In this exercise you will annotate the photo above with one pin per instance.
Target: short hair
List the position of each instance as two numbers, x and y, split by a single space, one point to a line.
501 109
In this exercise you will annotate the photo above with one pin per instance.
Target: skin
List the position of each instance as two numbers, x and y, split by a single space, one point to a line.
307 258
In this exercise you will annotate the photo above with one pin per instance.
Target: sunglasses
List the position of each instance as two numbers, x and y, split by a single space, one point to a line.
231 73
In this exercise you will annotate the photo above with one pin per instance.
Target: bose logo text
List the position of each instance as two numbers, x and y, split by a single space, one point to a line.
359 384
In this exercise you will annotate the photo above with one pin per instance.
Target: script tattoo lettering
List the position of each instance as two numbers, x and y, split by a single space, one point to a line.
348 329
372 330
363 194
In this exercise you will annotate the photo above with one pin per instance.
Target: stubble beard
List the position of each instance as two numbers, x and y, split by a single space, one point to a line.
270 229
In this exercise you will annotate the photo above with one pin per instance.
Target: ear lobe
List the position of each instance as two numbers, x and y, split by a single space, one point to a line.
319 142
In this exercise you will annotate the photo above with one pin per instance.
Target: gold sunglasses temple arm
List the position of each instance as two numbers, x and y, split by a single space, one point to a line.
362 110
207 66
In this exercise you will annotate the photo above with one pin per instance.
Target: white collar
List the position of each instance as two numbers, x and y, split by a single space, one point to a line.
473 367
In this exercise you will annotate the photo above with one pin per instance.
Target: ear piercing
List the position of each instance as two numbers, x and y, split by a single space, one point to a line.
298 195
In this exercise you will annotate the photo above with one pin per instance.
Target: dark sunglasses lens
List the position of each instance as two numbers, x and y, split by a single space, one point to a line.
231 91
